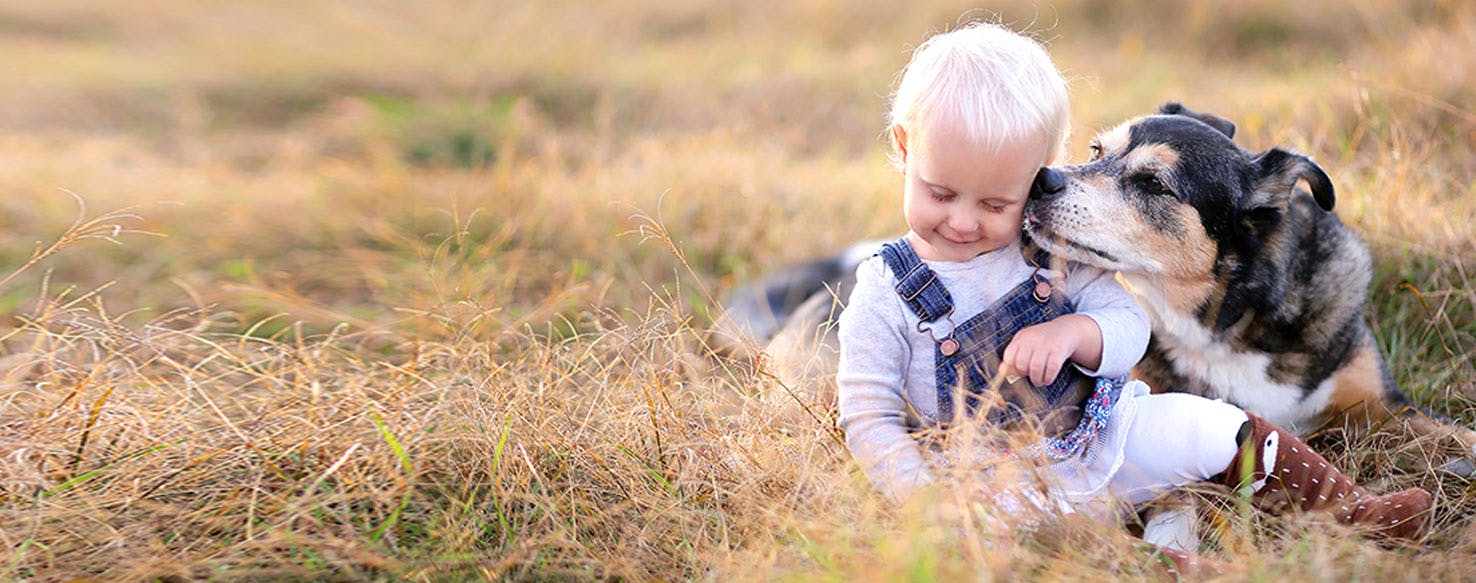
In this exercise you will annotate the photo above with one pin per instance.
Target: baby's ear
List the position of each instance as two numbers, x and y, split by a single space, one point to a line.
899 141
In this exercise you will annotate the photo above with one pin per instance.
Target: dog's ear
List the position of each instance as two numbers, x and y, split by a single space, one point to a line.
1274 177
1224 126
1278 172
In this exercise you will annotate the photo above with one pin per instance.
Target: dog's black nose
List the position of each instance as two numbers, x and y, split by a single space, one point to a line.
1048 182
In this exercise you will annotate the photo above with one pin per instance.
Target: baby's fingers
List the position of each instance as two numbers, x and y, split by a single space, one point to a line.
1053 370
1007 368
1040 364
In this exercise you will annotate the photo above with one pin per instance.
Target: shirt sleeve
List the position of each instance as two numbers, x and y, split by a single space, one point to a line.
874 358
1125 327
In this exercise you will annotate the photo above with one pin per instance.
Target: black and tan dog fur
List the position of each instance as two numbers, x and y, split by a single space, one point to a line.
1255 289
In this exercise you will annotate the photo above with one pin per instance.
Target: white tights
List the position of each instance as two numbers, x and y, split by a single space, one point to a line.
1175 439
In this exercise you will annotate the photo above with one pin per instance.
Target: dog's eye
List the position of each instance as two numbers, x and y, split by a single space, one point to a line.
1153 185
1096 151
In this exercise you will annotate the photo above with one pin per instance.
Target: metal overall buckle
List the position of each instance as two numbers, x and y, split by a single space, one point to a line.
1042 291
948 346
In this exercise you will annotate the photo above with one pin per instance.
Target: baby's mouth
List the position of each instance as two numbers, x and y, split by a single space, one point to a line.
959 241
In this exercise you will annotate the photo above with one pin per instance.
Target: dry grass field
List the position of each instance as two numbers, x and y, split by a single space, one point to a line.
415 290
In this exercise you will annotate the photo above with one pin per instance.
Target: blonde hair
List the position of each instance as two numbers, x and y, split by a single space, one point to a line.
1000 86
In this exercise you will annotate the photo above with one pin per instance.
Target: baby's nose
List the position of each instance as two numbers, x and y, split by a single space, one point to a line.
1047 182
963 222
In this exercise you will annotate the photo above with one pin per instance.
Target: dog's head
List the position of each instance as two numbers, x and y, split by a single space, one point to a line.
1170 196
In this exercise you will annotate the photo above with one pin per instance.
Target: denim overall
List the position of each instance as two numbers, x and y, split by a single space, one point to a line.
975 348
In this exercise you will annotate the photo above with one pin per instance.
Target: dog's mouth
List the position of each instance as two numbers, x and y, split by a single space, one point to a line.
1056 243
1105 259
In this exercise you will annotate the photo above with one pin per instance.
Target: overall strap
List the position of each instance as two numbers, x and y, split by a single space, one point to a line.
916 282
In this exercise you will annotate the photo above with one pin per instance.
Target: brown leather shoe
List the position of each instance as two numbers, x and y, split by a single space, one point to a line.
1281 472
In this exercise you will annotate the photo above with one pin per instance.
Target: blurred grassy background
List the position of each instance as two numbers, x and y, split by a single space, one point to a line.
381 246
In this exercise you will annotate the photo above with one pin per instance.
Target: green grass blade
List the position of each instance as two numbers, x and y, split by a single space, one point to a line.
405 465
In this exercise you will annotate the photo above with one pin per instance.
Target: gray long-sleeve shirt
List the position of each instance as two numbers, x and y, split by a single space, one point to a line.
879 337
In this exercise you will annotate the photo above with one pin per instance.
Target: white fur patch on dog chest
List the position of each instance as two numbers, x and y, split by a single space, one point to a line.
1240 378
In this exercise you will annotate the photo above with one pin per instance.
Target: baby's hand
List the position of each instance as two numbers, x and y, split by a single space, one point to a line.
1039 351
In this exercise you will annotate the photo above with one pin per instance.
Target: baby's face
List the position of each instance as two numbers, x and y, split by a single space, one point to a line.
959 199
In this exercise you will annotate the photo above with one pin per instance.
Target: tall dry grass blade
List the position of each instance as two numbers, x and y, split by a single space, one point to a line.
107 226
655 426
87 429
830 429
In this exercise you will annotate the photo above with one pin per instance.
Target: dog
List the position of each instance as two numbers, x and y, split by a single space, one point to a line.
1255 289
